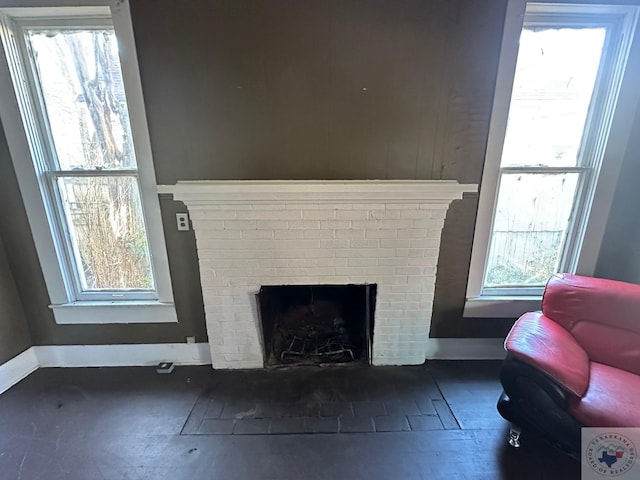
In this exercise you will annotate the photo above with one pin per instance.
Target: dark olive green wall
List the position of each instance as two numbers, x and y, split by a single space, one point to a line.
329 89
14 330
620 252
290 89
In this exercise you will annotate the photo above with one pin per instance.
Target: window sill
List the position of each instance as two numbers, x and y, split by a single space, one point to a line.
114 312
501 306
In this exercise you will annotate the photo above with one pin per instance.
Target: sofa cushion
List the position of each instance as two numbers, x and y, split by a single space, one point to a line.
612 399
602 315
612 346
542 343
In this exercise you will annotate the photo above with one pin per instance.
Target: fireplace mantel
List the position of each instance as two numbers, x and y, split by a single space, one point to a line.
316 191
288 232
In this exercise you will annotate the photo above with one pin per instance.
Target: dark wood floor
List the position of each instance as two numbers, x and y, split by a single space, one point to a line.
433 422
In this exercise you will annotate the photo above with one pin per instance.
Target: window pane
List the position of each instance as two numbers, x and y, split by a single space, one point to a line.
530 225
105 223
554 80
81 84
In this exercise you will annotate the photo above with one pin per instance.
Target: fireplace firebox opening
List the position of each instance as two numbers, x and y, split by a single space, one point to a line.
317 324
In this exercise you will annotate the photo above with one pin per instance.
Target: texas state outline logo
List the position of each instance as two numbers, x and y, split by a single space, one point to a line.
611 454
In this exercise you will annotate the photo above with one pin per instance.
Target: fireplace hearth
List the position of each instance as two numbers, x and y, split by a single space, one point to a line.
316 324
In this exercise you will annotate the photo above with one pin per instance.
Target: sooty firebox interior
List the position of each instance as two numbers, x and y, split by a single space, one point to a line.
317 324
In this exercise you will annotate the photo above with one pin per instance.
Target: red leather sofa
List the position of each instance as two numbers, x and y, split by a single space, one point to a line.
576 363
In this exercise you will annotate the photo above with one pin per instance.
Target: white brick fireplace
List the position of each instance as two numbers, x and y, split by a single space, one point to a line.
255 233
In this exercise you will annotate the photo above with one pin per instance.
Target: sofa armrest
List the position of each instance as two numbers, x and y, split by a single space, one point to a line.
542 343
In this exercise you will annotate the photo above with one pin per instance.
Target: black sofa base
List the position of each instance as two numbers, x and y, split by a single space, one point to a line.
537 404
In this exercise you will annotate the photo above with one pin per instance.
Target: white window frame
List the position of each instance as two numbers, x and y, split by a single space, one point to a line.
66 306
599 197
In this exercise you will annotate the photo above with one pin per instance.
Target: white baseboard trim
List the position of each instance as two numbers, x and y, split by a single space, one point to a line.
465 349
122 355
17 368
134 355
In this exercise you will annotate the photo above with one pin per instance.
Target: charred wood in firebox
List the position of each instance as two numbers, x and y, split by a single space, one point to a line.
315 333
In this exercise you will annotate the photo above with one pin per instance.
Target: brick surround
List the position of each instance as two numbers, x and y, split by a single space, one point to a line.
254 233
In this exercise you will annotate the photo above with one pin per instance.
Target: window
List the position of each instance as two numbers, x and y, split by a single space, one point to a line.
551 148
94 206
